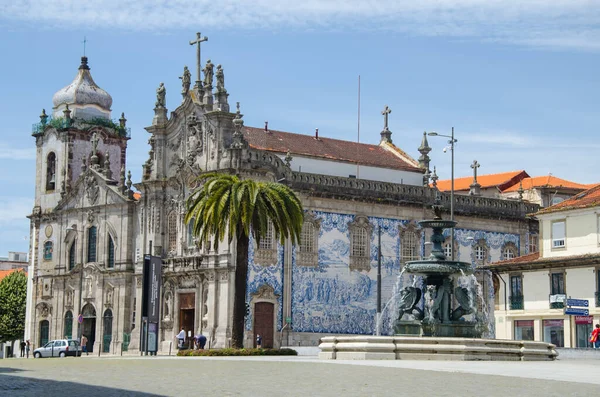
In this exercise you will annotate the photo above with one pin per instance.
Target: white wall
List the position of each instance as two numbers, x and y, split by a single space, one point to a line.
337 168
581 233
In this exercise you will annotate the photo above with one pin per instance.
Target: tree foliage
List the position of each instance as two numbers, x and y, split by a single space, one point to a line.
227 208
13 299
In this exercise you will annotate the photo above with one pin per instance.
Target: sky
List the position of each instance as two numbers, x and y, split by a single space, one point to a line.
518 81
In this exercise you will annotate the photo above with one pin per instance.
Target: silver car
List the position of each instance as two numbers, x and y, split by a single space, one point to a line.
58 348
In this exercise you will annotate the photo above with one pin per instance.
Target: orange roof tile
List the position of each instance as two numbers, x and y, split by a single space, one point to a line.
331 149
4 273
545 181
137 195
519 259
502 181
587 198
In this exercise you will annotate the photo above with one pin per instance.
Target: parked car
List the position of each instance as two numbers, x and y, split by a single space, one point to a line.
58 348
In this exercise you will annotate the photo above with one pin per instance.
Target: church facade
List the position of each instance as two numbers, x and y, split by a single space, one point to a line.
91 225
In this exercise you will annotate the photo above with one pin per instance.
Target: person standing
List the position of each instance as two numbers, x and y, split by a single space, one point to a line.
258 341
595 336
23 344
181 338
84 342
27 347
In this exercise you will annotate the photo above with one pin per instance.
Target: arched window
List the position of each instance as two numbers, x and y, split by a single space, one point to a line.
51 171
111 252
266 242
360 243
479 252
172 231
448 250
107 335
72 255
308 250
509 251
68 324
48 247
409 246
92 236
307 238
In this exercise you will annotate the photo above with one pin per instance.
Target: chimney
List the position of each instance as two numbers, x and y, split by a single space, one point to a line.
317 134
266 126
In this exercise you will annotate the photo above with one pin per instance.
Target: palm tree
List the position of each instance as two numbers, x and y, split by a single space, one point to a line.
225 206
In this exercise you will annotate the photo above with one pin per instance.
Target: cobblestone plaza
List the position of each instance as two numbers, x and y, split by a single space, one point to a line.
292 376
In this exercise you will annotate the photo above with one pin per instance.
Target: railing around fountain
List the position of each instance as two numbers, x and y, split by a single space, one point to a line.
516 302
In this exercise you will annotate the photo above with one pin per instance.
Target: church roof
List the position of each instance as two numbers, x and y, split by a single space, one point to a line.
545 181
586 199
83 91
385 155
502 181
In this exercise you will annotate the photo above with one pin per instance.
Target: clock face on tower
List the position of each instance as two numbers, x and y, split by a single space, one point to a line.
48 231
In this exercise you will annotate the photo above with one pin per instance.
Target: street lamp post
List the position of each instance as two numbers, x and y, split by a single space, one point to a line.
452 141
79 325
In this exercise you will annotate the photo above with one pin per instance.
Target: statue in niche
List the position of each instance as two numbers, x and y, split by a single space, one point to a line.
161 94
167 305
220 79
69 298
109 295
208 74
88 287
186 80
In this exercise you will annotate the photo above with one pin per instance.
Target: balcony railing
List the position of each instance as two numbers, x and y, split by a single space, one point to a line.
557 301
516 302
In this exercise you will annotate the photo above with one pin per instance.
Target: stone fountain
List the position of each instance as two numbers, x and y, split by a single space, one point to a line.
432 312
432 321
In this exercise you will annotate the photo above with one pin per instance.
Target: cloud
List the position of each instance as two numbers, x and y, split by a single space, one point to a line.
540 23
7 152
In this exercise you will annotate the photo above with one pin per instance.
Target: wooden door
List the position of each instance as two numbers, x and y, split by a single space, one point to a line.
264 323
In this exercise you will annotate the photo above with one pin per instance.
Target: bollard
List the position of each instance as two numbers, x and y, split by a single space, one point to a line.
170 345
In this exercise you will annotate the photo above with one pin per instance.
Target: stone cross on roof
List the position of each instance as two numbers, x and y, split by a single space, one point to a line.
94 143
475 165
386 111
199 39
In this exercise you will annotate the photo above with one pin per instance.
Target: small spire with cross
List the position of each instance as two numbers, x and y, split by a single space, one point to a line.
475 188
386 134
84 43
197 42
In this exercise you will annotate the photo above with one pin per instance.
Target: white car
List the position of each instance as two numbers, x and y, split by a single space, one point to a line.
58 348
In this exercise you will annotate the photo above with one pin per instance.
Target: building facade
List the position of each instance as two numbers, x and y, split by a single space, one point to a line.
532 298
90 229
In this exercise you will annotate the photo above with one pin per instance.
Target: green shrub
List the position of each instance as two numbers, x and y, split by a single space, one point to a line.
229 352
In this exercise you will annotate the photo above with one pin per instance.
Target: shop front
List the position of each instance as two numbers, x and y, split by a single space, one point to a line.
554 332
583 329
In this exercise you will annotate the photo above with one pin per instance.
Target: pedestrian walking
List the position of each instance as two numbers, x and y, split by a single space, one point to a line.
181 338
595 337
84 342
27 347
23 344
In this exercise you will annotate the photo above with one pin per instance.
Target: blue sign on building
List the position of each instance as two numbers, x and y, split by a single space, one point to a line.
578 302
574 311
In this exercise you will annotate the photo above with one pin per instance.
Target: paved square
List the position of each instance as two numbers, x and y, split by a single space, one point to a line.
292 376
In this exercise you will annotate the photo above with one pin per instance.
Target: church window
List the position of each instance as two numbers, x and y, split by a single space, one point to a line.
68 324
266 242
72 256
92 236
111 252
360 244
480 252
509 251
409 246
51 171
308 251
48 247
190 233
532 243
172 231
448 250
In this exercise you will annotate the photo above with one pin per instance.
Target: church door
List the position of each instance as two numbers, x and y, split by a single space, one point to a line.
187 310
263 323
107 337
89 326
44 328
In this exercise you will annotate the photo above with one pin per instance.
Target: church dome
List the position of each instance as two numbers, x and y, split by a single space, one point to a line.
83 93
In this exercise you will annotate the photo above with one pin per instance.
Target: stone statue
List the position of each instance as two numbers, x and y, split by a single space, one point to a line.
186 80
409 297
208 74
220 79
161 94
440 310
465 306
166 313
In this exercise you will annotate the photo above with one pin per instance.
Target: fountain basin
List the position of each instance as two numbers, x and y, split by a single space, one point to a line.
437 223
429 267
366 347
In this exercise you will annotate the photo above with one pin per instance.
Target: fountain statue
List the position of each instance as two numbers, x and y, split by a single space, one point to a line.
437 321
437 318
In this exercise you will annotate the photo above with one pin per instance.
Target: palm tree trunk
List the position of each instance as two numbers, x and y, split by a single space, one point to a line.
239 300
